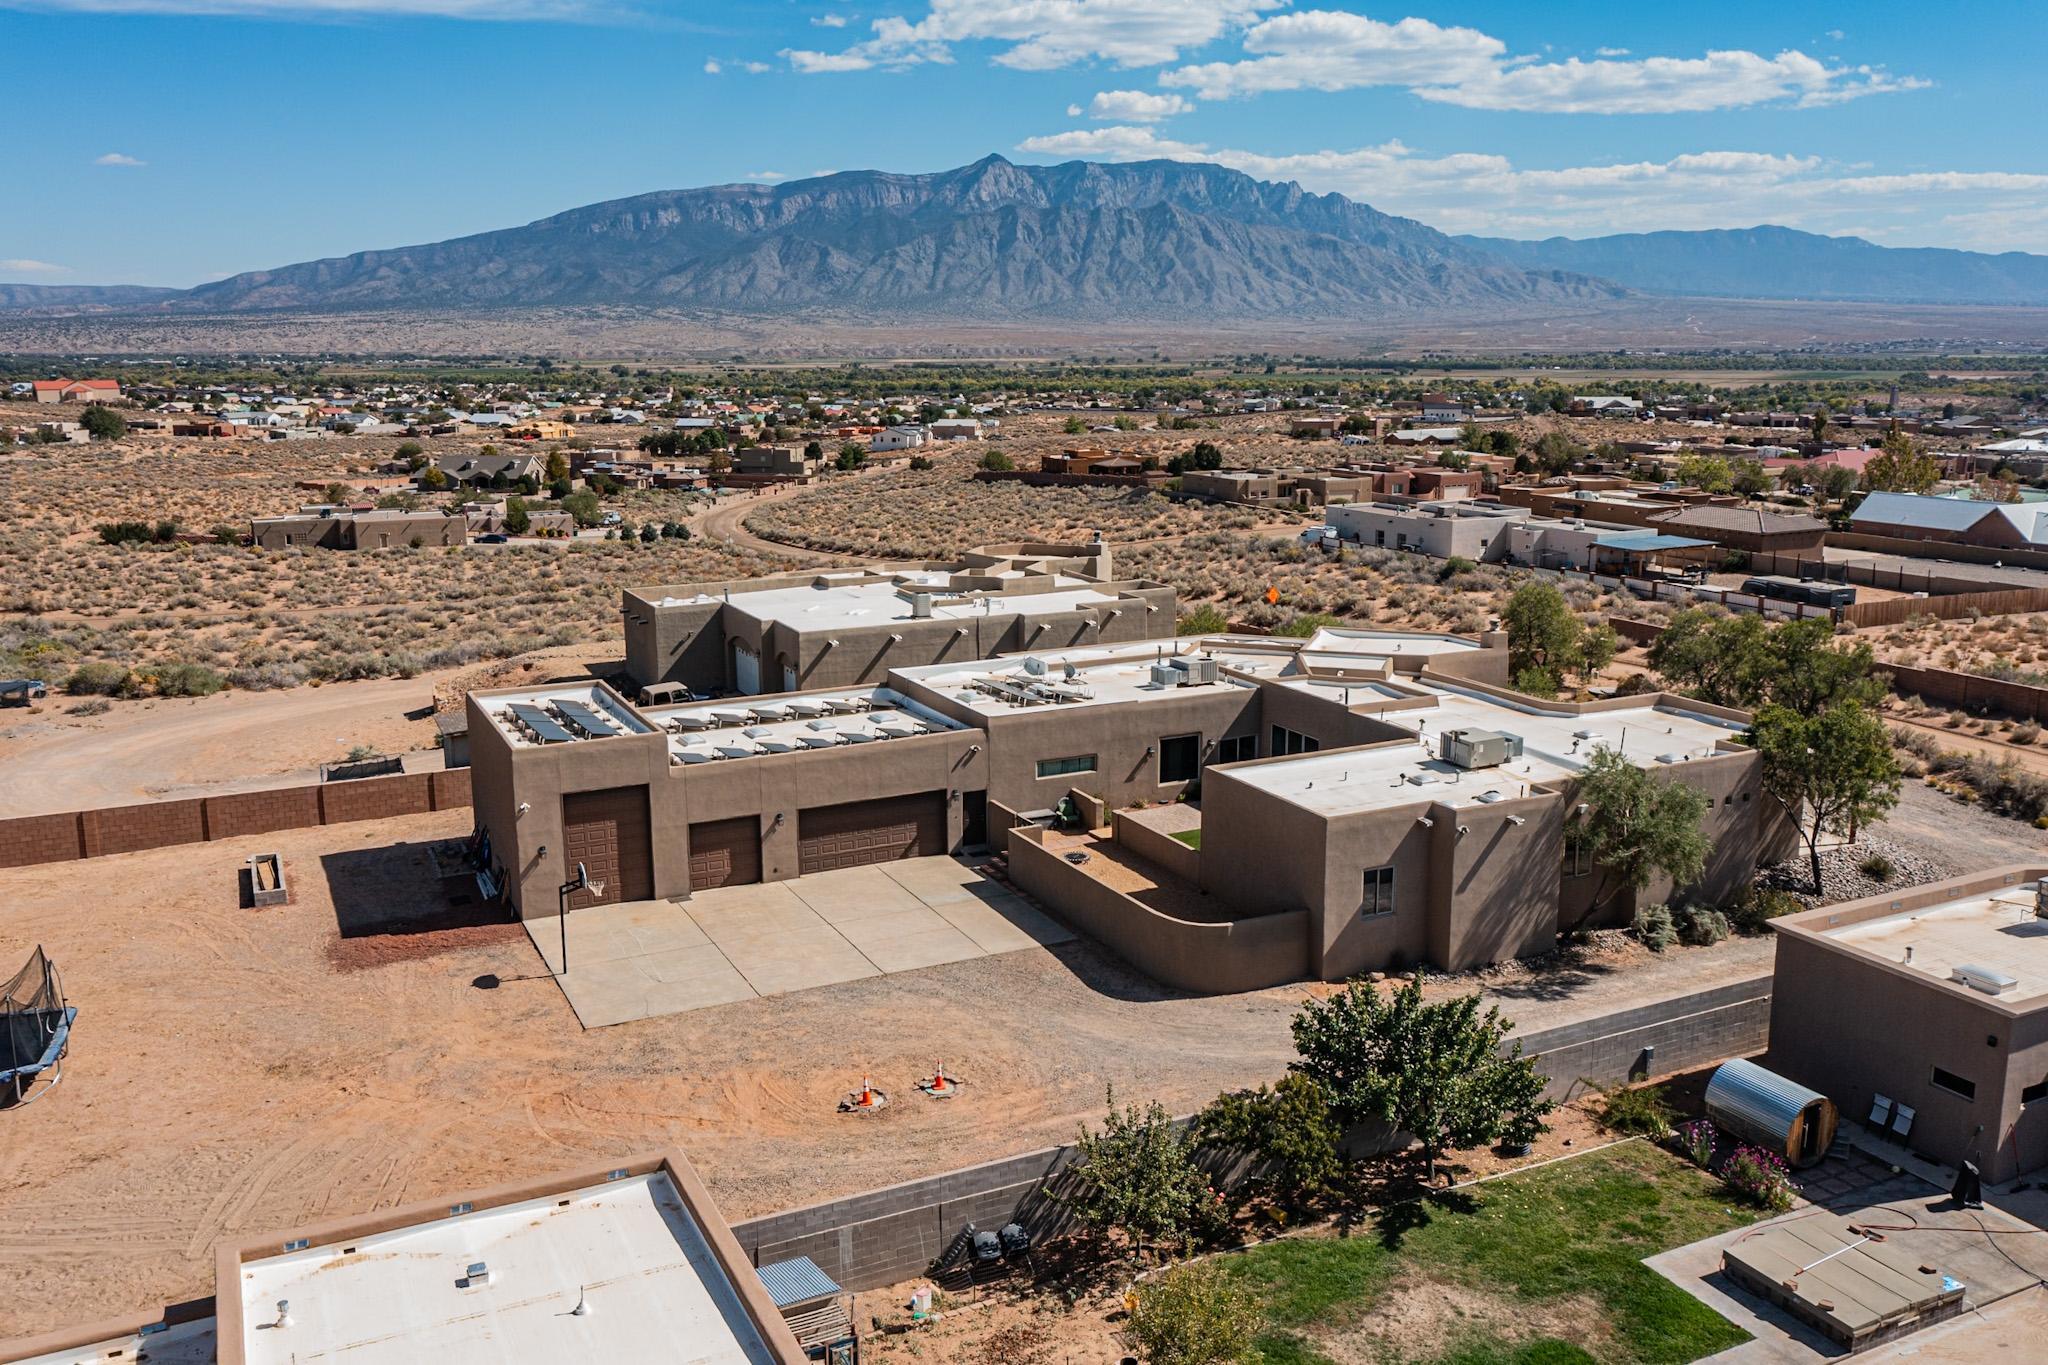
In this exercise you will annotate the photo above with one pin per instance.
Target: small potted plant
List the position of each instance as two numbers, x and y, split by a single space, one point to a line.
1518 1133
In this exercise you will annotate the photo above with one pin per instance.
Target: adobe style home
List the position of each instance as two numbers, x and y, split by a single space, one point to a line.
836 628
327 527
1366 799
618 1262
1924 1015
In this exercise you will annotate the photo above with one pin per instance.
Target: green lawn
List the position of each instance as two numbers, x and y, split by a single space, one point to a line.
1191 837
1557 1251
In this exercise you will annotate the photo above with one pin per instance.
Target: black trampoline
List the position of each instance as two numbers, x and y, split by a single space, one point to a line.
35 1031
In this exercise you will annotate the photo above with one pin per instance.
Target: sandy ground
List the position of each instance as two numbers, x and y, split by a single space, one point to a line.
240 1071
189 746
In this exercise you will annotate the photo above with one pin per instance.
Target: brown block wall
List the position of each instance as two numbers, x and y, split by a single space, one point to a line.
33 839
155 824
375 798
450 788
261 812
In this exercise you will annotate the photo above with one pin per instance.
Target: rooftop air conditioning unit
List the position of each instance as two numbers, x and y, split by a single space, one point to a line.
1984 979
1166 675
1475 748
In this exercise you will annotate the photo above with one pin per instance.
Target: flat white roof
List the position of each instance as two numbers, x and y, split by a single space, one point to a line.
1997 930
1555 745
747 727
850 604
191 1343
1103 674
503 710
629 1250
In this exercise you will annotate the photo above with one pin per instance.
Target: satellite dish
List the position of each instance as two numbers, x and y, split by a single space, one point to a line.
1071 671
1035 666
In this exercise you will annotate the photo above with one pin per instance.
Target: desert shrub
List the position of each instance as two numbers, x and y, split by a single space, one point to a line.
996 462
1758 1178
96 706
1696 1140
99 679
1205 619
1654 926
1701 926
1194 1315
126 533
2025 734
1304 624
188 680
1536 683
1753 912
1639 1110
1454 566
266 677
1877 867
1918 743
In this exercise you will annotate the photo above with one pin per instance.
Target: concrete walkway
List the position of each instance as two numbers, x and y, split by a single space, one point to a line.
649 958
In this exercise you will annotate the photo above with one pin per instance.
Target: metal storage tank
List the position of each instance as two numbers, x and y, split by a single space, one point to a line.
1764 1108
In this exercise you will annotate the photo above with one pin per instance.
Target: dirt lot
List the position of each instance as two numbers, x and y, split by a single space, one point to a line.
239 1070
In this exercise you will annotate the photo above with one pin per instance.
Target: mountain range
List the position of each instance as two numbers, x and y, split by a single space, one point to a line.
1081 242
1784 263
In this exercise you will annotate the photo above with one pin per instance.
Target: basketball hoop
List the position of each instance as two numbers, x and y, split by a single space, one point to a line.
596 890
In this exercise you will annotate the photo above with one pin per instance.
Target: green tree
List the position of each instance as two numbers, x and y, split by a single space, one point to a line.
1291 1132
1749 477
409 450
1194 1314
1708 473
583 506
1074 426
102 423
996 462
1557 452
852 455
813 451
1545 640
1636 826
517 520
1901 467
1441 1071
1138 1179
1820 423
1725 660
432 479
1454 459
1832 771
557 466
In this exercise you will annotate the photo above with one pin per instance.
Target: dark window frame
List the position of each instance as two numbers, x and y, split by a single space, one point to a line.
1194 758
1960 1086
1058 768
1236 749
1377 896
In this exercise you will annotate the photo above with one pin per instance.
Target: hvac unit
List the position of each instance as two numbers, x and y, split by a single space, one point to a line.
1166 675
920 606
1474 748
1193 670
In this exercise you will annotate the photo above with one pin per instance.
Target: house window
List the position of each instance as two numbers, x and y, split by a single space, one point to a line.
1066 767
1286 741
2037 1091
1954 1084
1239 749
1379 537
1379 892
1180 758
1578 860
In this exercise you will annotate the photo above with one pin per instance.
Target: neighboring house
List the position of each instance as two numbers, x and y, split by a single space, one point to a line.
1320 427
1961 521
893 438
1605 405
540 429
1233 485
1471 530
1747 528
958 429
77 390
1440 407
346 528
469 469
777 462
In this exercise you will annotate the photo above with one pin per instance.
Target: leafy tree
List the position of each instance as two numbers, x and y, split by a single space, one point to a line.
103 423
1708 473
1291 1131
1820 423
1834 482
409 450
583 507
996 462
1440 1071
432 479
1074 426
1901 467
1545 640
1454 460
1138 1179
1832 771
1637 826
1597 647
649 533
1725 660
1557 452
1809 672
852 455
1194 1314
557 466
517 520
813 451
1749 477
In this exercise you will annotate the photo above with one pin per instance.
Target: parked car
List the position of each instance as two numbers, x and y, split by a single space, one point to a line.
493 538
1320 537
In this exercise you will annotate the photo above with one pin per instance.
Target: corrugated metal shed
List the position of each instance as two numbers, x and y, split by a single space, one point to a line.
793 1282
1763 1107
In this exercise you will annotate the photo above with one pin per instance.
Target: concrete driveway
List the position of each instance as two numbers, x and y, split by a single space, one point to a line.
649 958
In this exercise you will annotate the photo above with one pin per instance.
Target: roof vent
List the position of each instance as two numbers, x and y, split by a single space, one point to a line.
920 606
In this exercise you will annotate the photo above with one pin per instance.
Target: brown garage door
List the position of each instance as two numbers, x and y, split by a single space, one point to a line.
607 832
830 837
725 853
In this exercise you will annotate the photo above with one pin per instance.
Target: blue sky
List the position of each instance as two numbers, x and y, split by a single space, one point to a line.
173 141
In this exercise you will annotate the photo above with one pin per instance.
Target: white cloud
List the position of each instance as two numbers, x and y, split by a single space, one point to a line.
1488 194
829 20
21 265
765 177
1075 111
1338 50
1135 106
711 66
1044 34
755 68
117 159
288 9
1610 52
